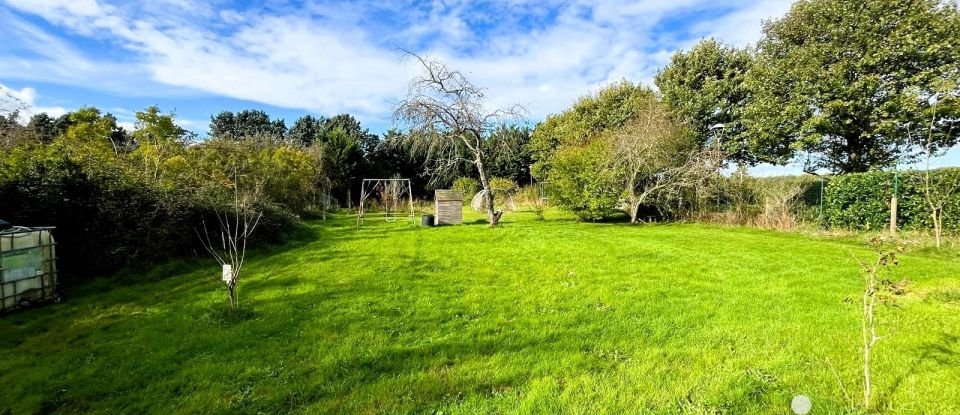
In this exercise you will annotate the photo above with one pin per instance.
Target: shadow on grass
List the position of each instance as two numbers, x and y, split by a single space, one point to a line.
942 352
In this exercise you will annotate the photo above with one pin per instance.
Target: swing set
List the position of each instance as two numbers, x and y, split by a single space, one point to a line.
396 198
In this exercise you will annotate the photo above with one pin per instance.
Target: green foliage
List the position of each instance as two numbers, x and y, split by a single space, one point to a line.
862 201
704 87
508 154
466 185
618 150
849 81
245 124
117 203
609 109
571 157
503 186
582 182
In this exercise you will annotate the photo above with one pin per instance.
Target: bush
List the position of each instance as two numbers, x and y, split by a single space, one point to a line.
861 201
581 182
466 185
114 209
503 187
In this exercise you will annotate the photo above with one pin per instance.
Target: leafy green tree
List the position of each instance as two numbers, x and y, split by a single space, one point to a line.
572 154
350 126
44 126
609 109
845 81
306 130
343 153
93 133
703 88
246 123
158 139
510 155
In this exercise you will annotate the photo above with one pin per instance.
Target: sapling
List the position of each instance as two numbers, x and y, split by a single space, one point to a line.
236 225
877 286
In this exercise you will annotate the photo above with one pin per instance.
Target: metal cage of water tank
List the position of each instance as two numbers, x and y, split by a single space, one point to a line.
28 267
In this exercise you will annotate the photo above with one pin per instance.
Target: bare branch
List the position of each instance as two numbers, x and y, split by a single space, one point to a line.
446 120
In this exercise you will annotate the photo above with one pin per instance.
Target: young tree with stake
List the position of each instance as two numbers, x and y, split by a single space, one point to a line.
447 121
938 190
236 224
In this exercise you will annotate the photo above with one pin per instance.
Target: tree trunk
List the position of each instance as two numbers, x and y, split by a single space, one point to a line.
937 218
231 294
492 215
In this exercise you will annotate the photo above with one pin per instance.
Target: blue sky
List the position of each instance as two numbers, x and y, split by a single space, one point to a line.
291 58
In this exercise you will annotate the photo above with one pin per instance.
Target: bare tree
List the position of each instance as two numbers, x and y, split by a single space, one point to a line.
659 162
937 191
236 224
10 103
11 106
779 200
448 122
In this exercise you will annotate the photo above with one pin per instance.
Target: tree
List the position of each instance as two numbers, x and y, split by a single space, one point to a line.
938 190
158 139
842 80
353 129
306 130
609 109
343 156
510 155
246 123
618 149
878 288
236 224
447 121
703 88
657 162
94 133
44 126
582 182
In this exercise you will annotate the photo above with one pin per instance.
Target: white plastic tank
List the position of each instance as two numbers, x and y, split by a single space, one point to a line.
28 267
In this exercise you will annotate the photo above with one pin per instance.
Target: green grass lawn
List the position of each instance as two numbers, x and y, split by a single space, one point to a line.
545 317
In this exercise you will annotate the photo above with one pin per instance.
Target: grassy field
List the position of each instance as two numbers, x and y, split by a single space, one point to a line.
544 317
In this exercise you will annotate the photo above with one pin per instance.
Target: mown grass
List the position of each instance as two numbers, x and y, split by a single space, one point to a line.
544 317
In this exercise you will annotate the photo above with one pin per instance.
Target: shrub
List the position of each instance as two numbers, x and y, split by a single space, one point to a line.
503 186
119 208
581 182
466 185
861 201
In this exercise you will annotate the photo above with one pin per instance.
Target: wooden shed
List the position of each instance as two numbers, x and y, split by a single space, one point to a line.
449 207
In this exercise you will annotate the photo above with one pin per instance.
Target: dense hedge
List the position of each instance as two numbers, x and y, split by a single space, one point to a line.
132 202
107 219
862 201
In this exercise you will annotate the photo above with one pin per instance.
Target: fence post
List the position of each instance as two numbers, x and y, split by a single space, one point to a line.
893 204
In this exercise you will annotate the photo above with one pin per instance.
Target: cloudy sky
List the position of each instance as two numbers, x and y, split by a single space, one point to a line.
326 57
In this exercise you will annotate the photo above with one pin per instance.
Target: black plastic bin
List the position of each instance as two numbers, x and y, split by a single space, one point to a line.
426 220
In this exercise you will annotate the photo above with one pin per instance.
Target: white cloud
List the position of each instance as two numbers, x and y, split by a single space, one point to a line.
332 58
28 98
743 27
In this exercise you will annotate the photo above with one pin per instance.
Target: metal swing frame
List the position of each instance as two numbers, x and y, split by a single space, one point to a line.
368 186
